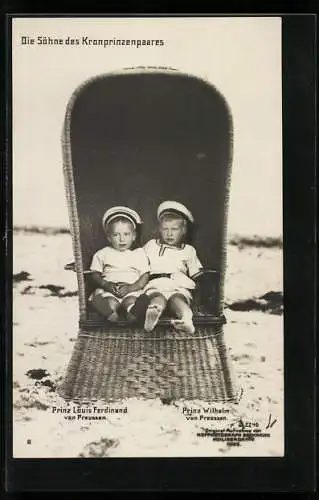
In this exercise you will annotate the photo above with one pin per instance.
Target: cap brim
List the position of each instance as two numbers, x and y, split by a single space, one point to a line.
120 211
174 207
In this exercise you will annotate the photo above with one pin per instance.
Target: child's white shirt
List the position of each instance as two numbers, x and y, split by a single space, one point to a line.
120 266
167 259
180 262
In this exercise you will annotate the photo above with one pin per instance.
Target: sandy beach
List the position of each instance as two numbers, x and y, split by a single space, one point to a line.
45 317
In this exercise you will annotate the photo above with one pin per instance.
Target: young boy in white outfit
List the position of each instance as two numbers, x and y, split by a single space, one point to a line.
119 272
173 263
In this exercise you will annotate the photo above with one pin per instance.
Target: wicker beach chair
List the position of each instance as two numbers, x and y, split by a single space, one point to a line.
136 138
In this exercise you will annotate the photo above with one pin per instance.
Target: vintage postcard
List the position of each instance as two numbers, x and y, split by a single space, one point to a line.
147 245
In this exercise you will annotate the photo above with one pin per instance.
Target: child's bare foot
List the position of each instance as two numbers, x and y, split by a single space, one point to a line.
130 317
184 325
153 314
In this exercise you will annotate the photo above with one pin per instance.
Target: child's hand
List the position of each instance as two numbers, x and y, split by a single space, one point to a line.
112 287
123 289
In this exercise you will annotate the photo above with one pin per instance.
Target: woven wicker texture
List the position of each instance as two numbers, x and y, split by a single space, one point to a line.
116 364
137 138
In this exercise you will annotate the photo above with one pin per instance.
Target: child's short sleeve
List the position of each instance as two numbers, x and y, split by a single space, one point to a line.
193 263
148 247
143 264
97 263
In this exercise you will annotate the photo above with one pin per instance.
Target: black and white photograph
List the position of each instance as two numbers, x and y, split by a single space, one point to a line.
147 237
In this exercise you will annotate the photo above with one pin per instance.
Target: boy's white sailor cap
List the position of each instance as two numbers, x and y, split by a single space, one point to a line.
120 211
174 207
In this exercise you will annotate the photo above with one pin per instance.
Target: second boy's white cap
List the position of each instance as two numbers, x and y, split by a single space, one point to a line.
120 211
174 207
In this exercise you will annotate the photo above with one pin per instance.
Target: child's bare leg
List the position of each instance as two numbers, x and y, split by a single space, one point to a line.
179 306
127 306
107 306
154 311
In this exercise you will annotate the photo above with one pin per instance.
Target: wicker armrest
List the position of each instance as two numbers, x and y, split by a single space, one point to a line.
70 266
206 292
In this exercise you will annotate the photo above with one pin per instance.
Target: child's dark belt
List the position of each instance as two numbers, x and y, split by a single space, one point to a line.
160 275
